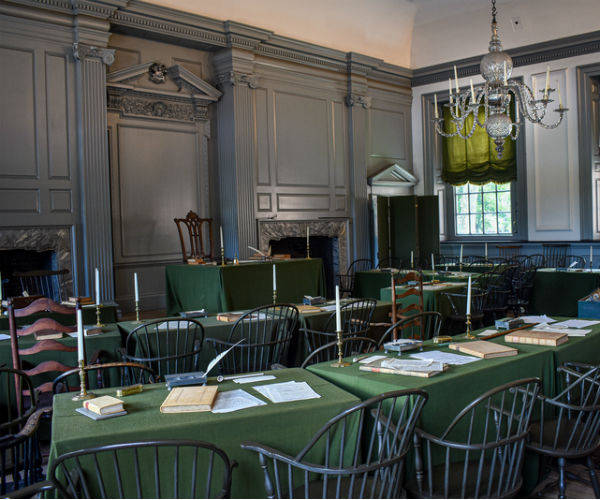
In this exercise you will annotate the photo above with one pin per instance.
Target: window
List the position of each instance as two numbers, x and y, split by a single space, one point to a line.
483 210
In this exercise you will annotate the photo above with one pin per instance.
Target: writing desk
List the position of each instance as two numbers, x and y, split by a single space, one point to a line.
452 390
368 284
243 286
557 292
285 426
216 329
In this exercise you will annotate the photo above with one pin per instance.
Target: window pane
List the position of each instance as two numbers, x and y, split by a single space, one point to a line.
504 201
491 224
489 203
462 189
476 224
504 223
462 224
475 204
489 187
503 187
462 204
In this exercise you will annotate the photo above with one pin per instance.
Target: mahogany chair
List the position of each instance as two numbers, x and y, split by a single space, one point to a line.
413 284
195 236
41 358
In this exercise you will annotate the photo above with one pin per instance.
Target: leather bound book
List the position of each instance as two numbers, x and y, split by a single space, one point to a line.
537 337
484 349
104 405
190 399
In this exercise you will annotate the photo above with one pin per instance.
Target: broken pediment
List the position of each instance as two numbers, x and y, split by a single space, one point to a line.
393 179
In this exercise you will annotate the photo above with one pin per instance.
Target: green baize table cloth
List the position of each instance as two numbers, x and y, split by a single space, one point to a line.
557 292
285 426
214 328
452 390
244 286
368 284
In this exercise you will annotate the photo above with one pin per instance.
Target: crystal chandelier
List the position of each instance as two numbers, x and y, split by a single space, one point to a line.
495 97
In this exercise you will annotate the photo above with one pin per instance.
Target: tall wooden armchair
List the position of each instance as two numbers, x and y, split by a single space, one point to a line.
412 283
43 358
195 236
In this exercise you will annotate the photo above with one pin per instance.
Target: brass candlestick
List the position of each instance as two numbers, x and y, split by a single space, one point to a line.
274 296
468 322
340 362
98 322
307 249
137 311
222 256
83 394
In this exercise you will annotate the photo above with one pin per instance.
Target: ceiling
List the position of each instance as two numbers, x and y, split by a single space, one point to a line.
408 33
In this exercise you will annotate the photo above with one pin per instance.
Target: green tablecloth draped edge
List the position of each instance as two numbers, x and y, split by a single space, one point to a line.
453 390
239 287
285 426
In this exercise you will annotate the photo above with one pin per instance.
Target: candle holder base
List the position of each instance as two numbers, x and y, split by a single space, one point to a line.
340 364
98 322
81 397
222 256
83 394
468 323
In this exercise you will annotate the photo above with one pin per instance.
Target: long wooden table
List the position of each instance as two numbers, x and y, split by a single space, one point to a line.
285 426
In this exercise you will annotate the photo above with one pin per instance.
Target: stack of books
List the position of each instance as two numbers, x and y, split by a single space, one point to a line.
102 407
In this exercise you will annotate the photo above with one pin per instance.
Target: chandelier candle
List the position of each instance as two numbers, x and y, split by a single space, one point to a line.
495 99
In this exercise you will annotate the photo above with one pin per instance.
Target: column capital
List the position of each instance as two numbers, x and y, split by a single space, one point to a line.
237 78
81 51
357 100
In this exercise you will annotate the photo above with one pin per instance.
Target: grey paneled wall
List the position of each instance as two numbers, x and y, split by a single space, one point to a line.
301 143
37 129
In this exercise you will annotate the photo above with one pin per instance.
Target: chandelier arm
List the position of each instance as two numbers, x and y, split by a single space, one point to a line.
440 131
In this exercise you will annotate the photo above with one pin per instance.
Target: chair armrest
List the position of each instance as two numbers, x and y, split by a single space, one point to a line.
31 490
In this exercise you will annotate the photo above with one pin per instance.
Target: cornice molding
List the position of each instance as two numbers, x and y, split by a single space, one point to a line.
101 9
237 78
573 46
357 100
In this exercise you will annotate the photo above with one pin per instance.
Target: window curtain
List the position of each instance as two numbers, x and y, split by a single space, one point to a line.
475 160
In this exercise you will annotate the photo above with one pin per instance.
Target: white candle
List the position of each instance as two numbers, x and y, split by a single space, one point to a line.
505 80
461 250
486 249
432 263
412 256
559 96
136 287
435 108
547 82
450 89
221 234
307 234
274 278
517 111
469 297
472 91
338 315
456 80
97 276
80 353
533 88
591 255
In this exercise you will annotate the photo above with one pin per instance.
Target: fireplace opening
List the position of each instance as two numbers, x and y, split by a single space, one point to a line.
322 247
21 261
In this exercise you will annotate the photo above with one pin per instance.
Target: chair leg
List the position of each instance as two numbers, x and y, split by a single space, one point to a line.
593 476
561 477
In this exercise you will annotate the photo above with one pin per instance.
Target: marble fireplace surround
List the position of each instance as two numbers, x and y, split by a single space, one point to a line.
42 239
333 228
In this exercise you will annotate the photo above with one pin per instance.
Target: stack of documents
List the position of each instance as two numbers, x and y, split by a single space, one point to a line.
285 392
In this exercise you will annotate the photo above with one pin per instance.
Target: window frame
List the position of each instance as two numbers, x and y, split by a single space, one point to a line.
432 148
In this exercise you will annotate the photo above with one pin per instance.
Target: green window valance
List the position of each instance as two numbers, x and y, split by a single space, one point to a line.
475 160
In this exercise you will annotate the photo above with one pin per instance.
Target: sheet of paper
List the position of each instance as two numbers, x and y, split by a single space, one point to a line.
258 378
576 323
328 308
170 325
237 399
445 357
284 392
414 365
538 319
487 332
370 359
571 332
4 336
